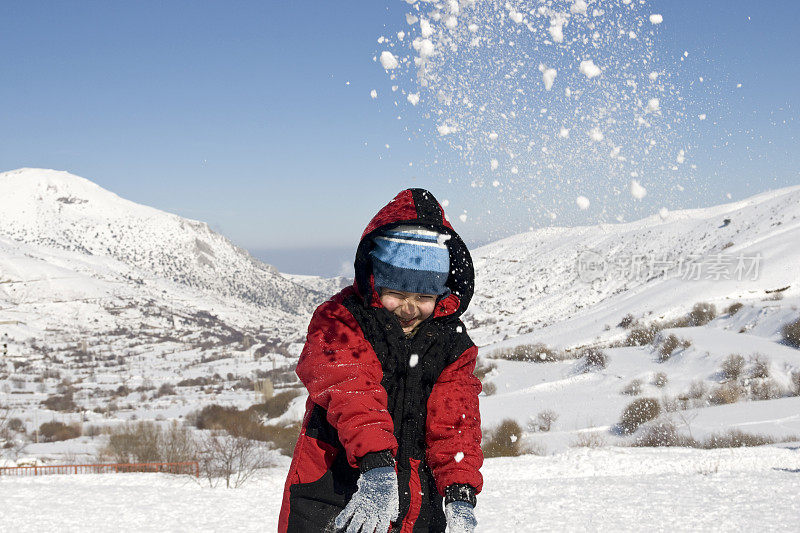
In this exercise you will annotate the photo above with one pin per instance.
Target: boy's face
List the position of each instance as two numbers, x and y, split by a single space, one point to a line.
410 307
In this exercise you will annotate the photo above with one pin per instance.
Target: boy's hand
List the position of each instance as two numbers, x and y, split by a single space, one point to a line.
460 517
374 505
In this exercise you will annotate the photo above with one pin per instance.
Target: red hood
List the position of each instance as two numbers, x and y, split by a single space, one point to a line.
419 207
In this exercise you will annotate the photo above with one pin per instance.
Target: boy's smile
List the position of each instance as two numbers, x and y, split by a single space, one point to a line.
410 308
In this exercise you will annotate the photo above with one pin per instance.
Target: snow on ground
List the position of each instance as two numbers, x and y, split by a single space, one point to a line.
613 489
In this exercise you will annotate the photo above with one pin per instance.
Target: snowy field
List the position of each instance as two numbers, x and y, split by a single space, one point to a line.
608 489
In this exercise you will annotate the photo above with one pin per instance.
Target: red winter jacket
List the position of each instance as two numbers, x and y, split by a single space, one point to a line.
368 402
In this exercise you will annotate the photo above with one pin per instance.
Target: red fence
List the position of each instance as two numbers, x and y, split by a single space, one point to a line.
190 467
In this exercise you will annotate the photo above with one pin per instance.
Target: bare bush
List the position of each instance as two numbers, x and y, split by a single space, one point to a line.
247 424
726 393
233 460
642 335
697 390
594 359
662 433
669 345
545 420
627 321
61 402
489 388
534 353
166 389
503 440
765 389
732 366
634 388
637 413
660 380
58 431
702 313
734 308
589 439
791 333
760 366
736 438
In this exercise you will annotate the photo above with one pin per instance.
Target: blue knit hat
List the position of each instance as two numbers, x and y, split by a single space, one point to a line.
411 259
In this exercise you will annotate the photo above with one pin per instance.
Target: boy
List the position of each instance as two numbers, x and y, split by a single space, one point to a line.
392 424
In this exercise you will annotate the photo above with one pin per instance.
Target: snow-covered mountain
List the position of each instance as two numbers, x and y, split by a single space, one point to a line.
85 271
60 210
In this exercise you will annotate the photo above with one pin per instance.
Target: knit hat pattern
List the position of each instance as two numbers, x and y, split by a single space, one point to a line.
411 259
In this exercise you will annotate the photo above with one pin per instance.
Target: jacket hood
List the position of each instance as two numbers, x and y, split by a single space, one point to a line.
418 207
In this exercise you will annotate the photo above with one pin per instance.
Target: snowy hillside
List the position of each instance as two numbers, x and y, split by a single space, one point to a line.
101 291
578 280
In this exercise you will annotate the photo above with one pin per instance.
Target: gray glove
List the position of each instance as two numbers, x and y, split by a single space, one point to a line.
460 517
374 505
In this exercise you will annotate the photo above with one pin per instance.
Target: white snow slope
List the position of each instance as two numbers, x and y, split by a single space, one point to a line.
583 490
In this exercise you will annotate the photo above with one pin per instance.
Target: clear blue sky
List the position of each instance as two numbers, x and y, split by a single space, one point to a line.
239 113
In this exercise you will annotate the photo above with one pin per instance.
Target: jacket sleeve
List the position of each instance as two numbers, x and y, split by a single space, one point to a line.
343 376
453 433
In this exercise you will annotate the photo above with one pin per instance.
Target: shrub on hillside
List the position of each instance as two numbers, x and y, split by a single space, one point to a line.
637 413
732 366
594 359
589 439
545 420
627 321
166 389
60 402
147 442
697 390
791 333
662 433
702 313
765 389
535 353
726 393
760 366
736 438
641 335
247 424
58 431
634 388
504 440
669 345
660 380
734 308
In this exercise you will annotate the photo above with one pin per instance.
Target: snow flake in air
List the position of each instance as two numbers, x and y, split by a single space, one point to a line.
548 76
596 135
413 360
655 18
653 105
637 191
388 61
413 98
589 69
373 93
582 202
459 457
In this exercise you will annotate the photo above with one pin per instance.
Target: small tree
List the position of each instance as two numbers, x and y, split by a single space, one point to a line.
231 459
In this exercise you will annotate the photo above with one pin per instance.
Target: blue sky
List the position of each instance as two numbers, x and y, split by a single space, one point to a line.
240 113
